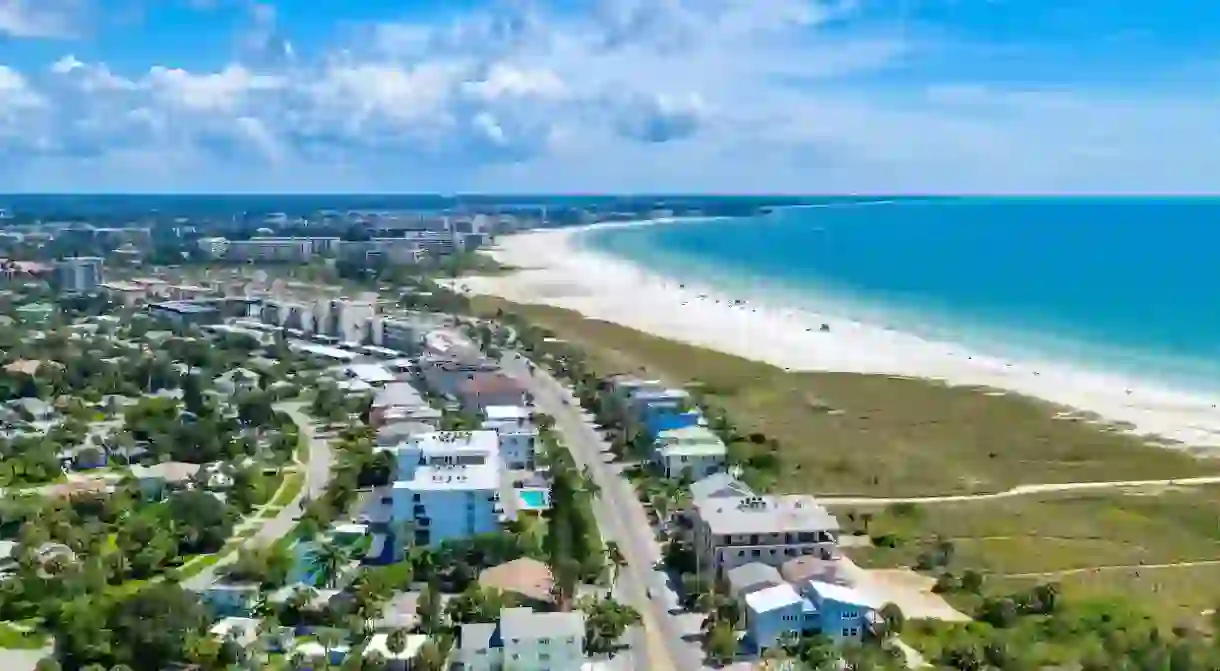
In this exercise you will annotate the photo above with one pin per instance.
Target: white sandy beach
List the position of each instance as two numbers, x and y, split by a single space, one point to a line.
563 274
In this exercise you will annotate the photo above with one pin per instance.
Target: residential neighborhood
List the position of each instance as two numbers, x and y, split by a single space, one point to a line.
307 476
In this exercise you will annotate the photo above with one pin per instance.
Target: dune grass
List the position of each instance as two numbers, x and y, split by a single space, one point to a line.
1058 533
877 435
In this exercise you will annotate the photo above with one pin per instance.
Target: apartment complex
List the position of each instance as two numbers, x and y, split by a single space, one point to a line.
733 530
345 319
447 485
82 274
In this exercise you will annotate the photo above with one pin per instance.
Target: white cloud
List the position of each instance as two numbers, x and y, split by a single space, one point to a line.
15 91
504 80
733 95
224 91
38 18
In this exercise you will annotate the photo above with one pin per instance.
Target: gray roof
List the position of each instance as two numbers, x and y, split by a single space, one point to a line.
751 577
525 623
718 485
397 394
392 434
765 514
477 635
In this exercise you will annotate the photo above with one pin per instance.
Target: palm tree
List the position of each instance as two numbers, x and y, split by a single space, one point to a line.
663 506
330 558
616 560
396 642
588 484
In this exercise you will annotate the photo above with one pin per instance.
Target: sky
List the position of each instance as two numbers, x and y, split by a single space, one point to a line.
610 96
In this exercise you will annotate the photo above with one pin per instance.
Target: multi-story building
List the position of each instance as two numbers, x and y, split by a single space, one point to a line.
693 450
80 274
295 250
731 531
517 433
447 485
213 247
402 251
524 640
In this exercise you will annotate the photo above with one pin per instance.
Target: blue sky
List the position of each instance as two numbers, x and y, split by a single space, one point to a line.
724 96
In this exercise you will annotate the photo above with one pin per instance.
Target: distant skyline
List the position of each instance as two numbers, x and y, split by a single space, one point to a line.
605 96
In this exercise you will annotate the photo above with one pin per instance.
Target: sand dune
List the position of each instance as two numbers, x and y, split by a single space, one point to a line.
563 274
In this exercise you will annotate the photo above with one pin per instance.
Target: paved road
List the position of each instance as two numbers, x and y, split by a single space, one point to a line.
622 519
317 473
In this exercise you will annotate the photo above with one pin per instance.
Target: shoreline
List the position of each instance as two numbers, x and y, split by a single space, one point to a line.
562 272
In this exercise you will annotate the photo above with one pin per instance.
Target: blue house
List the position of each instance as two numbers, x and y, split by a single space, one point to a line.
776 613
840 613
843 613
667 415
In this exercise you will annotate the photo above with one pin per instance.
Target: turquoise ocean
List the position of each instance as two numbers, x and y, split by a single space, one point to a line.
1124 285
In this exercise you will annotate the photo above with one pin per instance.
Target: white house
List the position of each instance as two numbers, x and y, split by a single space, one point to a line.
396 661
517 434
694 450
447 485
524 640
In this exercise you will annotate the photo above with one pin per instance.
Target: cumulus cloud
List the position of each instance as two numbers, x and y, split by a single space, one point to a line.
39 18
784 95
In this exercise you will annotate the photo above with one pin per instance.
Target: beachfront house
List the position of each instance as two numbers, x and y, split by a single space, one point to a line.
843 613
693 451
731 531
776 613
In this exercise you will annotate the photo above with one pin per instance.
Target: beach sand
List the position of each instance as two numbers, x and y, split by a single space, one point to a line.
558 271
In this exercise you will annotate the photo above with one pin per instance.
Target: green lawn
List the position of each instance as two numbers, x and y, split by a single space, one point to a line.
291 486
16 638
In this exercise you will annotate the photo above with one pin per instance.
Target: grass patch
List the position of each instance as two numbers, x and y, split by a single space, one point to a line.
1063 532
1173 595
270 511
877 435
303 447
289 489
17 638
1066 538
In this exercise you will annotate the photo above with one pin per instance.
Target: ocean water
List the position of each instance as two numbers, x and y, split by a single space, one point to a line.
1121 284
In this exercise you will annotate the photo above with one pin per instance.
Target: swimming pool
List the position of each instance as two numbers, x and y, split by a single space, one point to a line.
533 499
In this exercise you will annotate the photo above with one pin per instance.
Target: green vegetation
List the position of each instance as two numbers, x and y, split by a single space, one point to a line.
1096 540
1040 628
291 487
17 637
870 435
996 559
